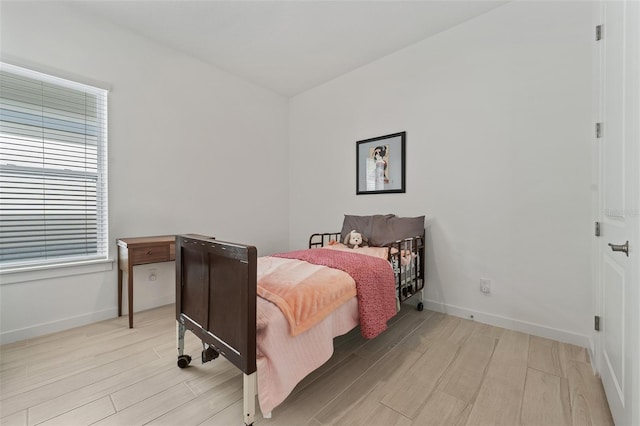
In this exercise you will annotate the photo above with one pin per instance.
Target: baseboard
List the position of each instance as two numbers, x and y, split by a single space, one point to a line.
483 317
68 323
151 304
511 324
55 326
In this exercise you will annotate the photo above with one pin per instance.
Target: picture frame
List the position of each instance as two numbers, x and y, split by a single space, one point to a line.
380 164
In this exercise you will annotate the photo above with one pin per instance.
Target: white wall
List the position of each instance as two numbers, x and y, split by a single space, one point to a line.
497 114
498 119
191 149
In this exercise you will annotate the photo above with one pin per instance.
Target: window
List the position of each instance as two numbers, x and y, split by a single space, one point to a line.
53 170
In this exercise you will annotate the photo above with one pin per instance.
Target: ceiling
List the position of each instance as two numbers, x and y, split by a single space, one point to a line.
287 46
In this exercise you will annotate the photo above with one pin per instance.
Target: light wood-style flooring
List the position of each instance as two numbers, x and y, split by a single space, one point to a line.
426 369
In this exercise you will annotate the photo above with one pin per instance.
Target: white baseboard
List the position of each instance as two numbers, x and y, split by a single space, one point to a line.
511 324
150 304
68 323
483 317
55 326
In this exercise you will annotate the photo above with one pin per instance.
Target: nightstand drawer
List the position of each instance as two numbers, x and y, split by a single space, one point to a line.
150 254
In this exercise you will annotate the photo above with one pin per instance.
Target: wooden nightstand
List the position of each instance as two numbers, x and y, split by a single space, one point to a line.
140 251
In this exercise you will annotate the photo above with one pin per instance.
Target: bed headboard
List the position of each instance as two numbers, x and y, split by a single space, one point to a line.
216 295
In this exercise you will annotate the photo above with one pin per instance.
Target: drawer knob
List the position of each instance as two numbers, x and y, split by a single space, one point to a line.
149 252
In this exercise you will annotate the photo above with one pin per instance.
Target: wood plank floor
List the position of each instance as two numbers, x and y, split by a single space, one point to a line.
426 369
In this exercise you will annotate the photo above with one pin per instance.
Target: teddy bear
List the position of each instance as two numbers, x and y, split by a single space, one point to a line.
355 239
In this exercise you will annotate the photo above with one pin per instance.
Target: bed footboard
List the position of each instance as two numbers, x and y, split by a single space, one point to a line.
216 300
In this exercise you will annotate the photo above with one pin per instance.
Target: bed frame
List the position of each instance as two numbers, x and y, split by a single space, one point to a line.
216 298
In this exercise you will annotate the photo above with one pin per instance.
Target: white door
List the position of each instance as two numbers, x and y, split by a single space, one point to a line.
618 300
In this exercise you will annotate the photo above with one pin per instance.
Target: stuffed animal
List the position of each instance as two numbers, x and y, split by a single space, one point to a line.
355 239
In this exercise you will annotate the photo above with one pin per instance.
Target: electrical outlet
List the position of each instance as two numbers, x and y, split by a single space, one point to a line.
152 275
485 285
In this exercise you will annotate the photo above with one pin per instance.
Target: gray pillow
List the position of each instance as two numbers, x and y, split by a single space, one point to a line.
386 230
362 224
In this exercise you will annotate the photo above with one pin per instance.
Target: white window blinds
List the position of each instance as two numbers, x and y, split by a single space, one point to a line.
53 169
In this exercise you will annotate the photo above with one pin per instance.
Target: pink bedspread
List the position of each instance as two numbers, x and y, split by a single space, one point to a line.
374 279
284 360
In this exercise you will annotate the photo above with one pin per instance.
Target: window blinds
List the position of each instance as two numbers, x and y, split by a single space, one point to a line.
53 169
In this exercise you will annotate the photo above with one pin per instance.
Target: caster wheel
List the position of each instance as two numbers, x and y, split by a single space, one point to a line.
420 306
184 361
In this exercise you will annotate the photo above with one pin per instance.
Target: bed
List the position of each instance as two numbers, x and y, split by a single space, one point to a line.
259 312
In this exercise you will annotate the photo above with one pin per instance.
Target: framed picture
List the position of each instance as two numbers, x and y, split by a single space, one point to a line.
380 164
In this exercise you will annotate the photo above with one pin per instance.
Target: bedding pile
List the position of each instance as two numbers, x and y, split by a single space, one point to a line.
374 279
304 292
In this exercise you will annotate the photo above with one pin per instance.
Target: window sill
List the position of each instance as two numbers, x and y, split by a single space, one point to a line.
44 272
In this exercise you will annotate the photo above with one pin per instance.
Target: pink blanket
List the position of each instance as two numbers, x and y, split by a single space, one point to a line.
304 292
374 279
